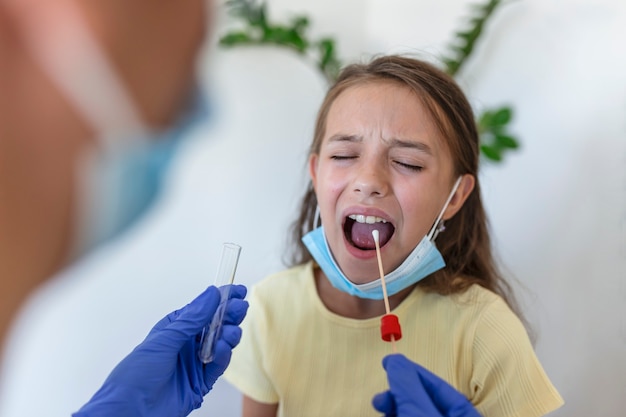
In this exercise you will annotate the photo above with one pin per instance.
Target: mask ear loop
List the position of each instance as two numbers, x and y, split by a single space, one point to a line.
317 221
439 226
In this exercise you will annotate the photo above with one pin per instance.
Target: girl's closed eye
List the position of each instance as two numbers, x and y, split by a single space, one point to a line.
343 157
410 166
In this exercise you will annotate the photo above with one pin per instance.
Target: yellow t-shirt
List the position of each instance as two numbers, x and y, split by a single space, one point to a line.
313 362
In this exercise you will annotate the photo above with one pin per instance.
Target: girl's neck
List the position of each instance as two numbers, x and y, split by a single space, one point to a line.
350 306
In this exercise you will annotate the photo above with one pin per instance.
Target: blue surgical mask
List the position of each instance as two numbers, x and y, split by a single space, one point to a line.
421 262
118 183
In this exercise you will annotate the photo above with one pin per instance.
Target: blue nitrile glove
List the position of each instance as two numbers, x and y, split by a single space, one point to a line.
416 392
163 376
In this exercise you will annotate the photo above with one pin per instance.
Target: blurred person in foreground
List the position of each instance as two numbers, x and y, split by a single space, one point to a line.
96 97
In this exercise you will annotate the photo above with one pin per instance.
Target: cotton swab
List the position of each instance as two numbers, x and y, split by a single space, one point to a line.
376 235
390 326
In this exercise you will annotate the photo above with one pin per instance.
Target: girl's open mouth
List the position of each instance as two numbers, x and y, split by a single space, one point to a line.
357 229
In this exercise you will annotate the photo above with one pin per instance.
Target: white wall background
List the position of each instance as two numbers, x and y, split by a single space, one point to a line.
557 207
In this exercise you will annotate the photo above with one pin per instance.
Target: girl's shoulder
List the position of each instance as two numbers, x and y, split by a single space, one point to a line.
475 298
477 295
470 309
490 315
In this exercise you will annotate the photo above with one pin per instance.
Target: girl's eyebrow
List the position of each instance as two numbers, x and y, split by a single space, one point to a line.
411 144
340 137
393 142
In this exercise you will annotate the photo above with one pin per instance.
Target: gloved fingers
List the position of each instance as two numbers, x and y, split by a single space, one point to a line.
396 358
222 353
429 388
237 291
432 383
401 372
231 334
406 386
235 311
234 314
186 323
200 311
206 295
445 396
203 305
384 403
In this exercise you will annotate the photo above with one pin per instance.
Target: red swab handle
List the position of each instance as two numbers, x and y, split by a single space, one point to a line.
390 327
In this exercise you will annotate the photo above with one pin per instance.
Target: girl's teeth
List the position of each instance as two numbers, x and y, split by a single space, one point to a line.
360 218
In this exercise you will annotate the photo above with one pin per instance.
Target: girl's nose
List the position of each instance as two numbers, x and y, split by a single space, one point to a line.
371 180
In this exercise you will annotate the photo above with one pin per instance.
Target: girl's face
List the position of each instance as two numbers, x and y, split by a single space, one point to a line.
382 165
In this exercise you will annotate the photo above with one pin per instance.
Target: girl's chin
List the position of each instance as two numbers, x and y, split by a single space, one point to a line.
362 281
362 273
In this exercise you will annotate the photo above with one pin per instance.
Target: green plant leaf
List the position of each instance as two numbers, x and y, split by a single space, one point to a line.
484 121
235 38
491 153
502 116
463 45
506 141
300 23
293 35
493 131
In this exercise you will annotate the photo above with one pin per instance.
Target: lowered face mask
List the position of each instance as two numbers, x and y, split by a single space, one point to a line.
421 262
119 183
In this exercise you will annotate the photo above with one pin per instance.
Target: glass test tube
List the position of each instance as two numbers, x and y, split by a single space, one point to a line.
223 280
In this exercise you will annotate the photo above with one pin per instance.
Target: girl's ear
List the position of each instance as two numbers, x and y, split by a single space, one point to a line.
460 195
313 162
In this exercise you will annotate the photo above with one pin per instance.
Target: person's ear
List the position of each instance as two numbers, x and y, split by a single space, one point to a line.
313 164
465 188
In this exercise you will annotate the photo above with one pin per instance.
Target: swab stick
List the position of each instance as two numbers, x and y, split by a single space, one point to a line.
390 326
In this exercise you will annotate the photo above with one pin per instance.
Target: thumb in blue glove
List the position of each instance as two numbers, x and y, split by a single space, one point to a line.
416 392
163 375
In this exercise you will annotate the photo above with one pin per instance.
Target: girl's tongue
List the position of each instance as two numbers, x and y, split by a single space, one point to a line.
360 234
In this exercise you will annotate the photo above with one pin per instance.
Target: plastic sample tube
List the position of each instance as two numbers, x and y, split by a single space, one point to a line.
223 280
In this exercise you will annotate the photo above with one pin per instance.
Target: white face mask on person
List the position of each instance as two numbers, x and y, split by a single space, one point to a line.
123 173
421 262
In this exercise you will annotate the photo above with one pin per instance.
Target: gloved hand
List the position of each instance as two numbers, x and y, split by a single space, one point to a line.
163 376
416 392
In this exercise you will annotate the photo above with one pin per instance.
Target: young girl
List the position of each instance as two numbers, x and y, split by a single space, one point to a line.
395 149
